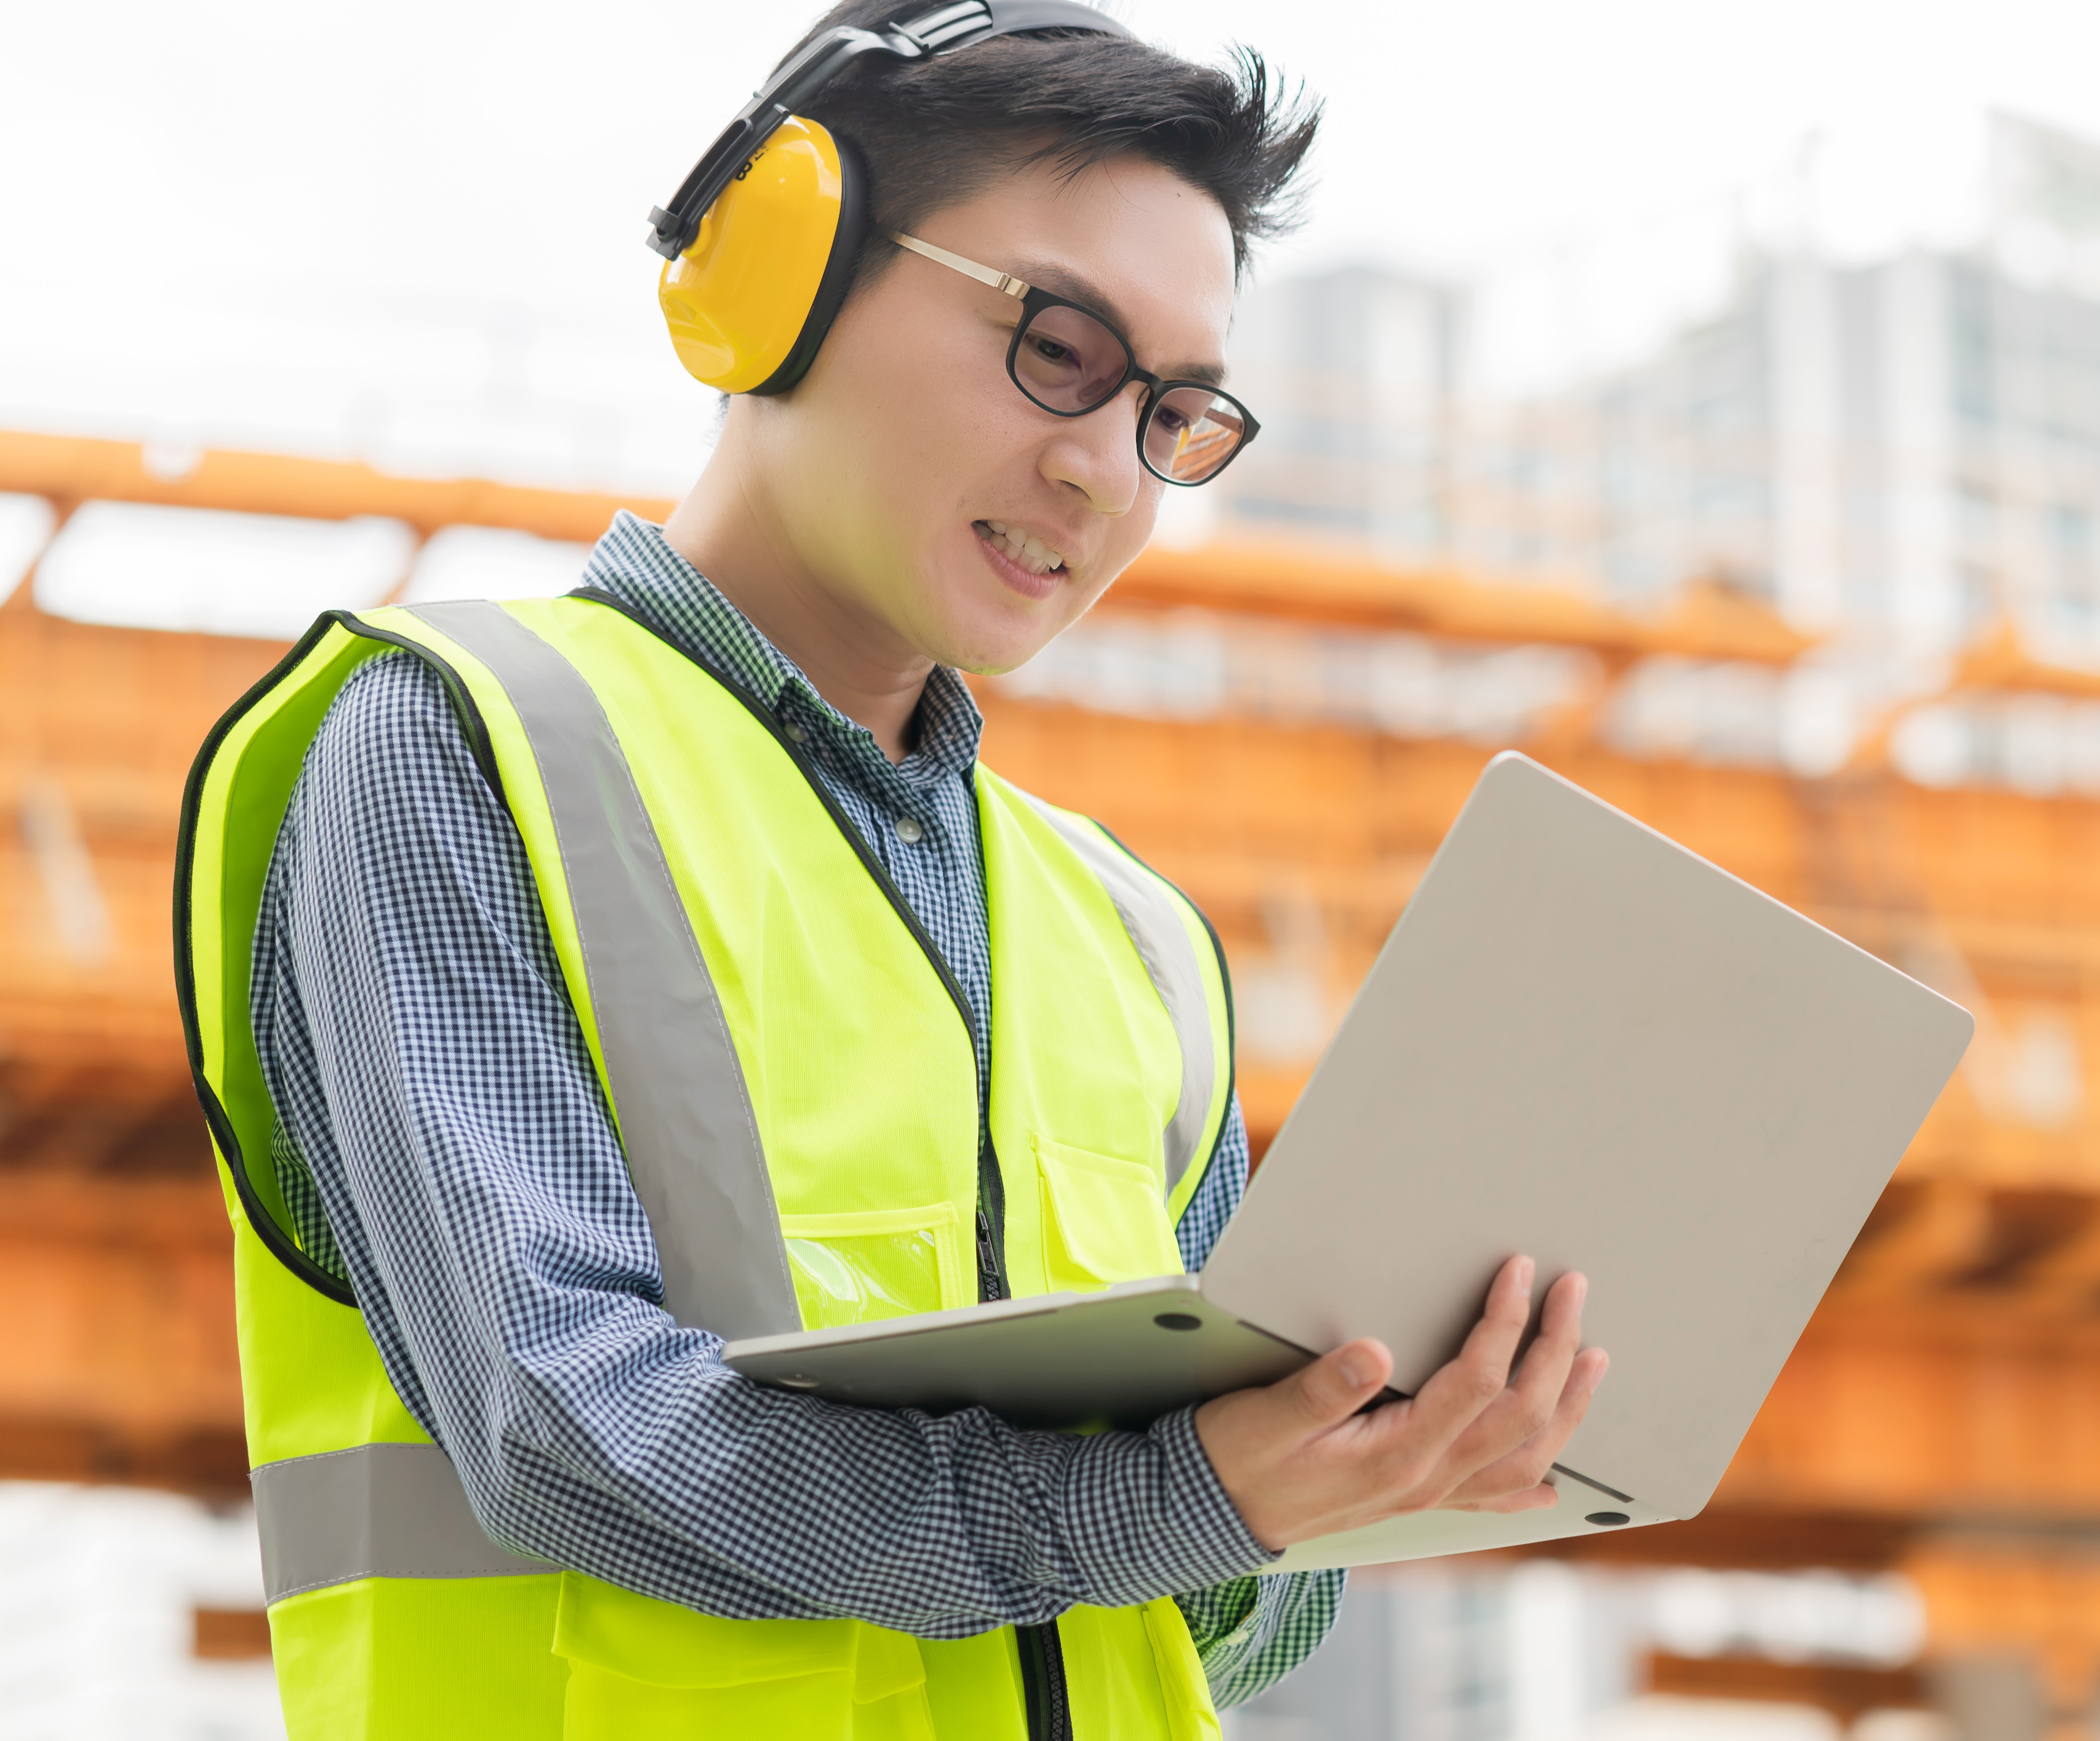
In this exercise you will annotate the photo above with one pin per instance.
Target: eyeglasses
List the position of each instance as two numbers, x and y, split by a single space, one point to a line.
1071 361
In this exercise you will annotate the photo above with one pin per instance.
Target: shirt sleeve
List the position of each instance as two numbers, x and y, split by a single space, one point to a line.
1249 1632
441 1117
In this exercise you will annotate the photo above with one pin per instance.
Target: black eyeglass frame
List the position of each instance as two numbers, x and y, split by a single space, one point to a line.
1033 301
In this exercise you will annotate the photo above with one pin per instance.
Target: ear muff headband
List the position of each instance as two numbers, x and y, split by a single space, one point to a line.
760 239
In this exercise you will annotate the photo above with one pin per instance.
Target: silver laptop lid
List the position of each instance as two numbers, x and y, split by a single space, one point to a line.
1583 1041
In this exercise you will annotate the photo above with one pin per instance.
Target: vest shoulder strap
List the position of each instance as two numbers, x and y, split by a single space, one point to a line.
669 1065
1185 961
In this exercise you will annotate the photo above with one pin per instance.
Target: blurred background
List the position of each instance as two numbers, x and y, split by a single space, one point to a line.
1705 400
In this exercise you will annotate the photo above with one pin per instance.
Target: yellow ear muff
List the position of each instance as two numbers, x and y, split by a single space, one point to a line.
749 302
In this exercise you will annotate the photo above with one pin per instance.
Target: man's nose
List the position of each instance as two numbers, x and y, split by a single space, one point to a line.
1096 454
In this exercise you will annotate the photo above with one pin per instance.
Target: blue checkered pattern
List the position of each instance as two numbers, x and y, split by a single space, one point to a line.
443 1143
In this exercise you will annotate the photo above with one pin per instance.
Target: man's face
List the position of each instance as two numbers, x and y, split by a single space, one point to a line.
888 466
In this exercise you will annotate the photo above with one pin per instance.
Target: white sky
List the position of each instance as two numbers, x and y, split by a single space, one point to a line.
412 232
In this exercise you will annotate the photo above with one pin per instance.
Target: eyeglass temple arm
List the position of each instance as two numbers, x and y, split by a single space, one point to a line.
1006 285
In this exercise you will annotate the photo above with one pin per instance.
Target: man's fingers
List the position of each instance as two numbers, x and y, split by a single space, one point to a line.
1518 1436
1583 1377
1460 1391
1528 1462
1526 1406
1586 1372
1335 1386
1561 1316
1543 1374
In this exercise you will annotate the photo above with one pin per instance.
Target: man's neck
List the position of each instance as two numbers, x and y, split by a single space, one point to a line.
856 663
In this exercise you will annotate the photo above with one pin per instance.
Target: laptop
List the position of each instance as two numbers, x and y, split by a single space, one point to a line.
1581 1041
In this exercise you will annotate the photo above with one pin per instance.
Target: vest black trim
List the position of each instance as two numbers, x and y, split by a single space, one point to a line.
277 1239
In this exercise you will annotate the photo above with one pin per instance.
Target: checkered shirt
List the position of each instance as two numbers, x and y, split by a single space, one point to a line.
442 1144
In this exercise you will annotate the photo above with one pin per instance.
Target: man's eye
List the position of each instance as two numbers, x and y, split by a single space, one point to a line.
1168 418
1051 351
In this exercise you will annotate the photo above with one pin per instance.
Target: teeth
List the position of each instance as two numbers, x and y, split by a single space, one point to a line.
1030 552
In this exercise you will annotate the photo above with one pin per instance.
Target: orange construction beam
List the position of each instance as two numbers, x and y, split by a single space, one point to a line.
72 469
1704 621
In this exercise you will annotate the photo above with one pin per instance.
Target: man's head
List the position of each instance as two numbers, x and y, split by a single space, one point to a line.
897 477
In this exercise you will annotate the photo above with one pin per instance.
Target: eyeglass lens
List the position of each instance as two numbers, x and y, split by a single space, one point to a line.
1190 432
1068 362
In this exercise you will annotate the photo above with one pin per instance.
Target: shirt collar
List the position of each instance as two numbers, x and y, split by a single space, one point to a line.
636 563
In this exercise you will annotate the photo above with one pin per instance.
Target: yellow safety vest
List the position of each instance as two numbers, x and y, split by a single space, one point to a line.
791 1069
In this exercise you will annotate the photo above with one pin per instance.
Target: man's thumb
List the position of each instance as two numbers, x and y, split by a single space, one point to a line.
1337 1384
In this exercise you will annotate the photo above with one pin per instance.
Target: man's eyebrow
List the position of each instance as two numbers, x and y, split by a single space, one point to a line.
1061 281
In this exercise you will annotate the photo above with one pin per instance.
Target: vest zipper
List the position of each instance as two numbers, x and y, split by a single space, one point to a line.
1043 1683
1042 1651
991 1285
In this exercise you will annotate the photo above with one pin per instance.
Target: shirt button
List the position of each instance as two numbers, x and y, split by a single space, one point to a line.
796 734
909 831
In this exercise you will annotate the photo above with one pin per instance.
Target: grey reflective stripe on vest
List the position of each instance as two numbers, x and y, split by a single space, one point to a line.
1149 914
684 1116
377 1511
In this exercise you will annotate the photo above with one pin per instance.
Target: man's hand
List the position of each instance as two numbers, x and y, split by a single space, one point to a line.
1298 1461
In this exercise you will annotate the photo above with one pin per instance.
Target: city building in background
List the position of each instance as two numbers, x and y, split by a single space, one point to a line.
1902 453
1538 1649
130 1615
1897 455
1358 377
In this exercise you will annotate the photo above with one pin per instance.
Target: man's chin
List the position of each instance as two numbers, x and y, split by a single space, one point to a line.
989 638
988 655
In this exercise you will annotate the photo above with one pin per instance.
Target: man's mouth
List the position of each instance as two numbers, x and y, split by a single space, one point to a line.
1029 551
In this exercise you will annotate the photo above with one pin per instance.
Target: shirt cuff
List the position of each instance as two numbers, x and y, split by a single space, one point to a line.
1225 1617
1150 1517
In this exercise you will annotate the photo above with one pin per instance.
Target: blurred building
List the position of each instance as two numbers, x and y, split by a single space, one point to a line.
1540 1651
1899 453
130 1615
1356 377
1904 450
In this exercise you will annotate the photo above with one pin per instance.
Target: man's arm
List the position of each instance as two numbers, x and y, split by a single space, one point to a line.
1249 1632
429 1073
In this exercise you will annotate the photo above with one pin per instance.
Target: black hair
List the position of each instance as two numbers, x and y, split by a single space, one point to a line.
935 132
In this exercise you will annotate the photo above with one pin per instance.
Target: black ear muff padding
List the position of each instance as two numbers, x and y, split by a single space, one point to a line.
839 269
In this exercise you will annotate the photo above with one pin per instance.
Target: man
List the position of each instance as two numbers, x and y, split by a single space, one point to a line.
728 795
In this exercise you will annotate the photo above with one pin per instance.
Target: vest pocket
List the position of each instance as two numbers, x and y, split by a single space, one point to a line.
1104 1219
1133 1675
870 1264
640 1668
